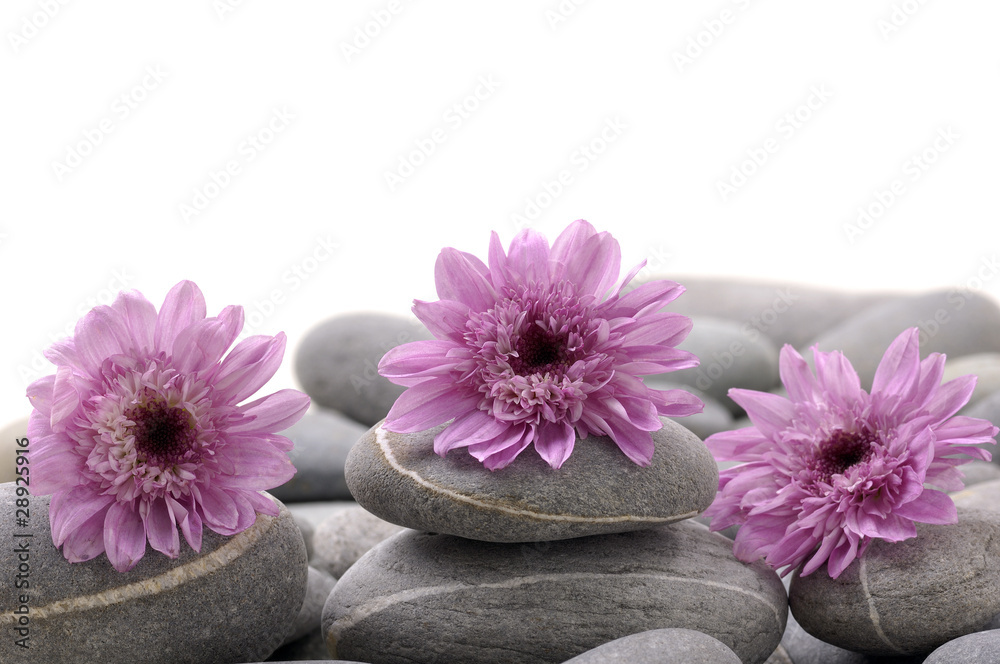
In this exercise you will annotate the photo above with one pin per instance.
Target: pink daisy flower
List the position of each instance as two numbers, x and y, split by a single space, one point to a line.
538 348
138 433
832 467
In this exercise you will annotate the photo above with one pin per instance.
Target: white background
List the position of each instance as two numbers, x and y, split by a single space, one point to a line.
884 78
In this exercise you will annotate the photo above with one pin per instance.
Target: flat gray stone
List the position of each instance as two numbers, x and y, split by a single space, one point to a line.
979 472
950 323
909 597
685 646
981 496
419 597
400 479
345 536
322 440
307 529
319 584
729 358
978 648
337 362
788 313
984 366
234 601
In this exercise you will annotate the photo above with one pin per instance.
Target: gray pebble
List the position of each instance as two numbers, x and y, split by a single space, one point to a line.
984 366
952 323
322 440
978 472
196 608
909 597
788 313
399 478
978 648
307 529
729 357
418 597
685 646
347 535
981 496
318 587
337 362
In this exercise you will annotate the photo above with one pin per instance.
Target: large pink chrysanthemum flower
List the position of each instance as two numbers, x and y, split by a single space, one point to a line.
139 433
538 348
832 467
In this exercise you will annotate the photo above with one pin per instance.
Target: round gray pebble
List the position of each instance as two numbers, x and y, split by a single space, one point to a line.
978 648
400 479
318 587
419 598
322 440
984 366
346 535
337 362
685 646
196 608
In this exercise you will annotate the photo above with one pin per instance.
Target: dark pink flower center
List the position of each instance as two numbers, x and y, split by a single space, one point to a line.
537 350
842 451
164 435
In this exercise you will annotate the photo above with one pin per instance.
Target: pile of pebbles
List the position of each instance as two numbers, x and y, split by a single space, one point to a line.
408 557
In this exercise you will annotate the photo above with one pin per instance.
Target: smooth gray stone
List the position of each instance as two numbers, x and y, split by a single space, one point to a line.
978 648
419 597
788 313
234 601
951 323
984 366
909 597
987 408
400 479
307 529
981 496
712 419
337 362
317 512
685 646
979 472
728 358
347 535
318 587
800 647
322 441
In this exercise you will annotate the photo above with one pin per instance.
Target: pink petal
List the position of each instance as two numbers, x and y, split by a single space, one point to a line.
39 393
663 329
797 377
470 428
514 443
899 369
426 405
842 556
567 245
68 510
274 412
528 256
188 520
676 403
183 306
202 344
255 464
250 364
463 277
645 299
86 542
635 443
63 352
124 536
414 362
838 379
161 531
593 266
100 334
554 442
951 396
219 509
497 259
445 319
65 399
770 413
139 315
931 507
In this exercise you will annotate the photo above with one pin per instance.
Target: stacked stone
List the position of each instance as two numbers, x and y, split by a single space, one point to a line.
532 564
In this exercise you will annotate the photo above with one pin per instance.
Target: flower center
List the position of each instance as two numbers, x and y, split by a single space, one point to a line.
163 434
537 350
842 451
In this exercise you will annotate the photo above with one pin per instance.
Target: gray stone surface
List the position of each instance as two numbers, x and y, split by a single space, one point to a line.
729 358
978 648
233 602
681 646
952 323
318 587
909 597
9 435
987 408
400 479
337 362
979 472
982 496
346 535
986 368
322 441
419 597
788 313
307 529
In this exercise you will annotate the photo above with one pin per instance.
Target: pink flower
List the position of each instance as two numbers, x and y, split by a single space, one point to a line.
538 348
832 467
139 433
